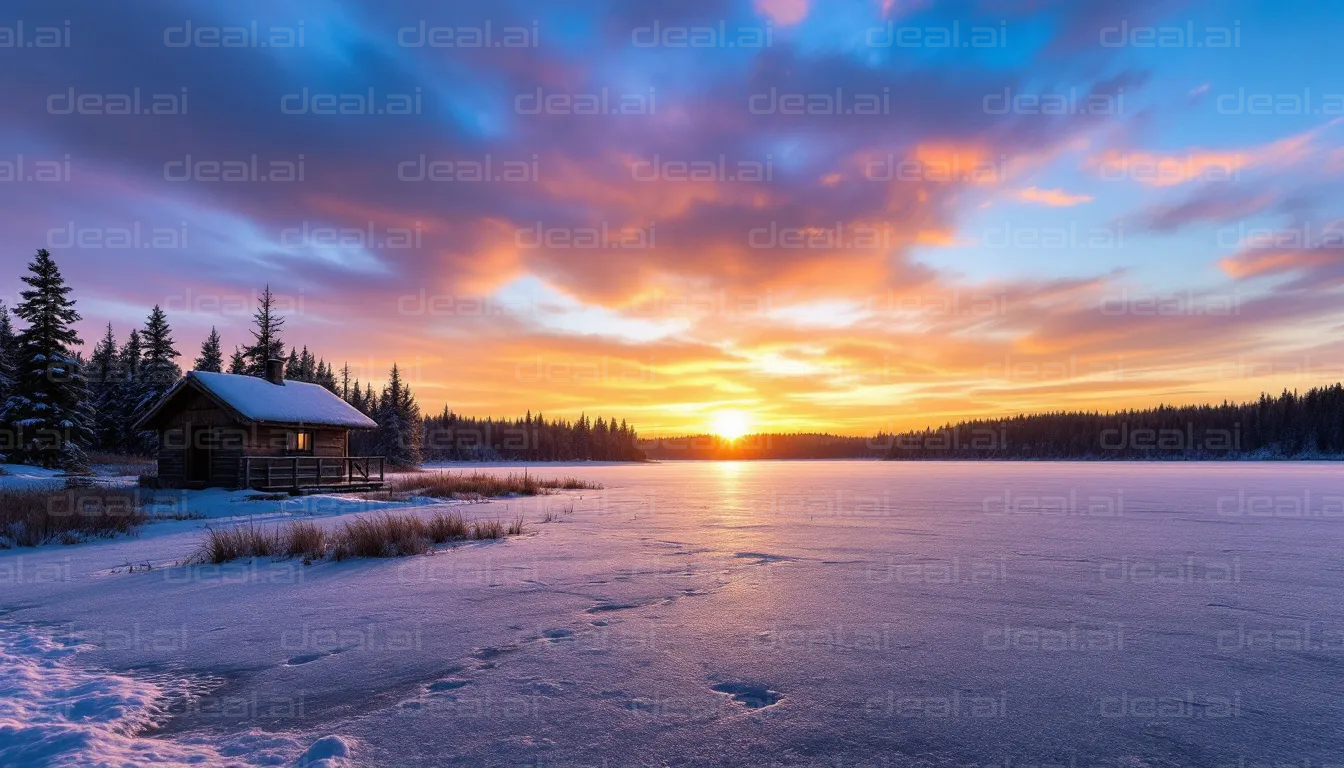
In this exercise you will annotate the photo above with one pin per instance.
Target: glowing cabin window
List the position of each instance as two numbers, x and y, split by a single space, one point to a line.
300 442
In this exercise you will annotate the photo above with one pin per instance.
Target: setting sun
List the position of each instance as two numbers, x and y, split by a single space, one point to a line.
731 425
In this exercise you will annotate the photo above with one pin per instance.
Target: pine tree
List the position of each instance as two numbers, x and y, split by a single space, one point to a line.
8 348
130 359
212 357
266 343
326 376
599 440
307 366
292 370
343 388
103 376
48 411
159 371
356 399
103 362
160 367
238 362
125 395
399 434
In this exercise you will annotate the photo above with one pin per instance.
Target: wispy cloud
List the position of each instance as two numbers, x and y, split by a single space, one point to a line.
814 261
1057 198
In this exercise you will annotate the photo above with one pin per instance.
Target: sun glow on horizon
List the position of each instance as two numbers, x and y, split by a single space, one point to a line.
731 424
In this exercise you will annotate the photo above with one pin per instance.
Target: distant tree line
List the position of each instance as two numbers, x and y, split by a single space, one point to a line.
453 437
1290 426
55 405
801 445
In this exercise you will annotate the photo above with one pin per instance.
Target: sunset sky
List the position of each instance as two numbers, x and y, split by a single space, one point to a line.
832 216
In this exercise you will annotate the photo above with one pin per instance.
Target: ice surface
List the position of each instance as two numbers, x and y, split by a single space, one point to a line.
782 613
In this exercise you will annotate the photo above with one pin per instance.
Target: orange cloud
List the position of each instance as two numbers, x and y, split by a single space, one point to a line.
972 163
1169 169
1255 264
1053 197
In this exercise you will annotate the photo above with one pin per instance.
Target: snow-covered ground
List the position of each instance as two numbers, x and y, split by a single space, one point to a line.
836 613
20 476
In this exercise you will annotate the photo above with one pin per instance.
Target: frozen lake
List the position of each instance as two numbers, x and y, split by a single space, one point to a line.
791 613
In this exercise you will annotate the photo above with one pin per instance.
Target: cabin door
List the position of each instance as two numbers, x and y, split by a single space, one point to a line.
200 446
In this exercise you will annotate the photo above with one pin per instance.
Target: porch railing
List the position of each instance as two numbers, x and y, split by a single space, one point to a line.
266 473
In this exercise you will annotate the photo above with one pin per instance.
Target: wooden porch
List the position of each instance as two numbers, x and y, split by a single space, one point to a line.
305 474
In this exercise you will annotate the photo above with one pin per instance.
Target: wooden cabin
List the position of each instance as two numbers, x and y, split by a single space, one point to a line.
230 431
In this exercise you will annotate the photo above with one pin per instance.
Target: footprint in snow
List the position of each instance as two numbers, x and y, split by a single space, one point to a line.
308 658
605 607
762 558
749 695
491 652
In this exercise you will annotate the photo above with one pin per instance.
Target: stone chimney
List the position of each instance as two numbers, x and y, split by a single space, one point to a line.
275 372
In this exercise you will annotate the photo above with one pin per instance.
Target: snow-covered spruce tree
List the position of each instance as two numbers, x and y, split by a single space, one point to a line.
159 371
48 412
399 432
266 341
102 376
212 357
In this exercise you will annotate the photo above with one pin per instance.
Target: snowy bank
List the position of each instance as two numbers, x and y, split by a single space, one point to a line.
55 712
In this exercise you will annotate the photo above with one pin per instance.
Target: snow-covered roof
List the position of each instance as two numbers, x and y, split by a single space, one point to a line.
258 400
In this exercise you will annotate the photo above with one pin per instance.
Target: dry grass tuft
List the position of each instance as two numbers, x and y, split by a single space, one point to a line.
474 485
224 544
33 516
385 535
381 535
516 527
487 529
306 540
446 526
